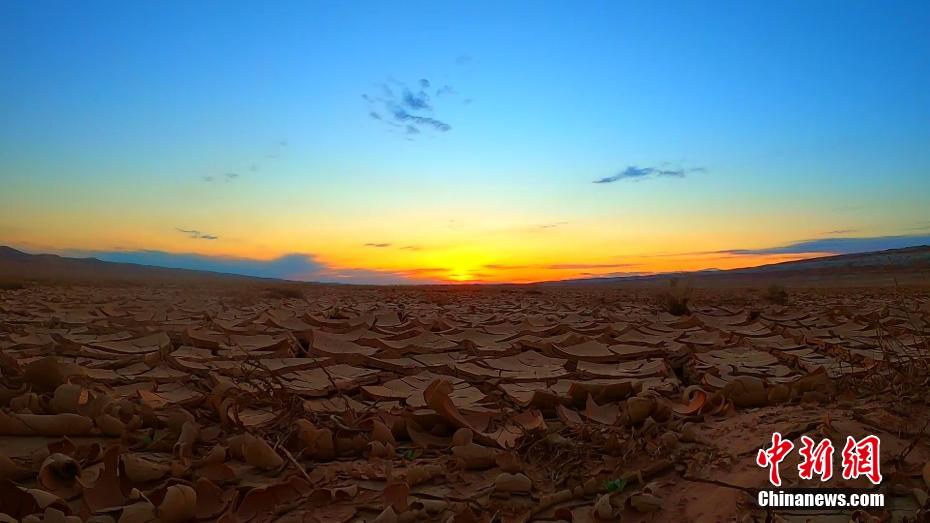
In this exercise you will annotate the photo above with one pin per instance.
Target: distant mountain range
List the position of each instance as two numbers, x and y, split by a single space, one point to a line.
20 266
907 266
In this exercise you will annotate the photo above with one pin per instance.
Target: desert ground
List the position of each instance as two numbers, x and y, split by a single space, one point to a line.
268 402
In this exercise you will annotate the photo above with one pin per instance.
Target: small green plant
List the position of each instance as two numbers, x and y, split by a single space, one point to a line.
675 299
615 485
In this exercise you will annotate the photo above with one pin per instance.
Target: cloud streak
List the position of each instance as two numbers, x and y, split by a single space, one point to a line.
837 245
197 235
276 149
551 225
560 266
644 173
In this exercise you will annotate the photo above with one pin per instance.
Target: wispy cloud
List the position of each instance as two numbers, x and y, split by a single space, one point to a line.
273 153
227 177
643 173
401 115
588 266
841 231
616 274
551 225
560 266
419 101
386 245
197 235
409 109
837 245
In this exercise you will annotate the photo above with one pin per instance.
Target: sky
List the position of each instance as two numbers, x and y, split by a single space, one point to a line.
417 142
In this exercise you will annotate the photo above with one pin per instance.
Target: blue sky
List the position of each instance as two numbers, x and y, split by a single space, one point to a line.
749 126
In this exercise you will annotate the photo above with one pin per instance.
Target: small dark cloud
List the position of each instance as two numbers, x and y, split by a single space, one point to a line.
642 173
419 101
227 177
402 115
197 235
253 167
445 90
378 245
551 225
282 143
411 248
424 83
374 115
462 59
841 231
412 130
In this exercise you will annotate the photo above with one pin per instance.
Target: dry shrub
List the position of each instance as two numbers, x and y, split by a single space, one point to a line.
777 294
904 370
675 299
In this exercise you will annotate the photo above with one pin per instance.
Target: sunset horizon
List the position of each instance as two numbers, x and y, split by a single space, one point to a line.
310 143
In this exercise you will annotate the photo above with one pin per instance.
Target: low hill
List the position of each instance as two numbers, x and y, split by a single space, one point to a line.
907 266
18 266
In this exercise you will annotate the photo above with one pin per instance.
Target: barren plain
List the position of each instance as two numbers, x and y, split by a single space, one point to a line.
255 402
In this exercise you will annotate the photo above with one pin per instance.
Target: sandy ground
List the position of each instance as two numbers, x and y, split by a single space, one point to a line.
328 403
